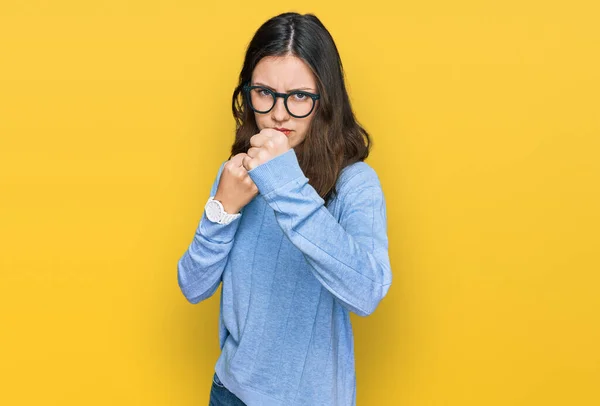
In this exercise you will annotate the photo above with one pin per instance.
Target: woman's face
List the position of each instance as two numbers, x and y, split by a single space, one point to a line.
284 74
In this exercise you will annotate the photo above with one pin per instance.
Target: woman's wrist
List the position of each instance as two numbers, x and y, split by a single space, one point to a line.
228 207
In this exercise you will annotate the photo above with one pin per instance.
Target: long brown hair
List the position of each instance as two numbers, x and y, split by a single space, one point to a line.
334 138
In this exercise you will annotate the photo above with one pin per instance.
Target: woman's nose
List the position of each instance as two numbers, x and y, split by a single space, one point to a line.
279 112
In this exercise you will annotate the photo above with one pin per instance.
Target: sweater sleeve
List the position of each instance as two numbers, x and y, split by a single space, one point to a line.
200 269
349 257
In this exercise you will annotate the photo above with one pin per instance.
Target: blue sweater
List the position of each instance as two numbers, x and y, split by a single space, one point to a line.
292 271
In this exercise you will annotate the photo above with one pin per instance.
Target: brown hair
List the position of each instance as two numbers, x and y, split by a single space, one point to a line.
334 139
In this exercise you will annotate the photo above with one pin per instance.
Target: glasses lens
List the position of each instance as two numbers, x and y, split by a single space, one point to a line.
262 99
299 104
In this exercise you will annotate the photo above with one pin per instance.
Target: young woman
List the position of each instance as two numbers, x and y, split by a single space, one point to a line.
294 228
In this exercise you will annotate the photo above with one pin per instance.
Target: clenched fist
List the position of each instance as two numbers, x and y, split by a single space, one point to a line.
266 145
236 188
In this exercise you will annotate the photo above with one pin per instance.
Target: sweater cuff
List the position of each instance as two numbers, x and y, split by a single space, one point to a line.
276 172
215 232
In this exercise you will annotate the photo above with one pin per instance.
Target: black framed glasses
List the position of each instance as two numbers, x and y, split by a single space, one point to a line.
298 103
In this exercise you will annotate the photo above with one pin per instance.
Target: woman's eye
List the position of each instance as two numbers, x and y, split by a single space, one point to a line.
264 92
299 96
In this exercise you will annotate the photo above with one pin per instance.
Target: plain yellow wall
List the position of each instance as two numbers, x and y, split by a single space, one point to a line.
115 115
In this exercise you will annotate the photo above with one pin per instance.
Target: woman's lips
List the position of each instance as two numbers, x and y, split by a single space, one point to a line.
284 130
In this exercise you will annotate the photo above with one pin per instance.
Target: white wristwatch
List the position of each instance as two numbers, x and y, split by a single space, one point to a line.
216 213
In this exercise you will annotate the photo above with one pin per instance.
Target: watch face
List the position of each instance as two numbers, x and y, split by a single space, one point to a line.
213 211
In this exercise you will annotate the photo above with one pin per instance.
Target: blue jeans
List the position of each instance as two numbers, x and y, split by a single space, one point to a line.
220 396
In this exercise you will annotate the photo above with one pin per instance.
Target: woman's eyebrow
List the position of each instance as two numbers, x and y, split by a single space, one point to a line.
308 89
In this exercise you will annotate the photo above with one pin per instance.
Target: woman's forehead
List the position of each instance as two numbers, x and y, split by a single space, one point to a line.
283 73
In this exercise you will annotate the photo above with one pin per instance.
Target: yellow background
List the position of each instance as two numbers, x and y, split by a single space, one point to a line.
115 115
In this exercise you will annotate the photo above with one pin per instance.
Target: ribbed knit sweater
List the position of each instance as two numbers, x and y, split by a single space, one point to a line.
292 269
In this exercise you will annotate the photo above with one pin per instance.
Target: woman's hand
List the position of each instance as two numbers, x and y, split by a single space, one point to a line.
266 145
236 188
